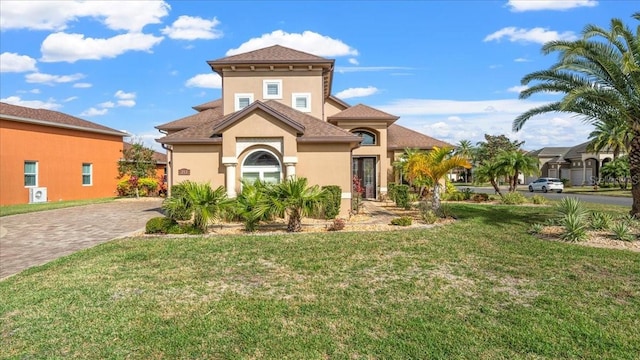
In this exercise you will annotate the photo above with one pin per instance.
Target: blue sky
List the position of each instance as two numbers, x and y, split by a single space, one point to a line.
449 69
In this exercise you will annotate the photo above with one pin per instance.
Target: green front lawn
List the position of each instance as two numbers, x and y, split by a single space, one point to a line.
29 208
480 288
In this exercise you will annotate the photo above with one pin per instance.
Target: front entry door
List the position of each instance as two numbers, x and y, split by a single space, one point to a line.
364 168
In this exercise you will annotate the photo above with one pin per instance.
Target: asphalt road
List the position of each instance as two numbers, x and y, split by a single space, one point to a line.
598 199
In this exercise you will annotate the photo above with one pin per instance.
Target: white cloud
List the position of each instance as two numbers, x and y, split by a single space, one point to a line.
208 81
71 98
35 104
48 79
308 41
348 69
82 85
452 121
535 5
35 91
193 28
517 88
107 104
12 62
354 61
56 15
536 35
356 92
127 103
94 112
73 47
521 60
124 95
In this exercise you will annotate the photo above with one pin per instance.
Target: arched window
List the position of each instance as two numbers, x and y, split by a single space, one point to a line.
368 138
261 165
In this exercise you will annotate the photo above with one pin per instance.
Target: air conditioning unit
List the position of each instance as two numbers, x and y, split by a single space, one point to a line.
37 195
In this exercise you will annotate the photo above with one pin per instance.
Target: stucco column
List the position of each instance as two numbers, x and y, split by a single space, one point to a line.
230 182
290 165
584 172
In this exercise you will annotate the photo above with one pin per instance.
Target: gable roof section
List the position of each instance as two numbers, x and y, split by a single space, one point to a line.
269 55
53 118
229 120
399 138
203 116
362 112
310 128
549 151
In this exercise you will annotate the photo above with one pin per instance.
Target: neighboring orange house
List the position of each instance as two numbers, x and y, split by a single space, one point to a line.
276 119
50 156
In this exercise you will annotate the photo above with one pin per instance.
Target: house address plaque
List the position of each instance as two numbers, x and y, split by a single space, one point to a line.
184 171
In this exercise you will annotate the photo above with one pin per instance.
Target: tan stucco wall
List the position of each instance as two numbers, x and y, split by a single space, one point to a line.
331 108
296 81
327 164
259 124
203 162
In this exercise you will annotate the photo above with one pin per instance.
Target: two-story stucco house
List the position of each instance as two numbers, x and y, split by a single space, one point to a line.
277 119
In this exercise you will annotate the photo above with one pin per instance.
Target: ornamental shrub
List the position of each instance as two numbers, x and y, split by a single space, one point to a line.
402 196
332 201
513 198
391 191
480 197
159 225
402 221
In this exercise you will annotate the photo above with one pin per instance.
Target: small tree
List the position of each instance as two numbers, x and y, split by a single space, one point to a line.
137 162
618 170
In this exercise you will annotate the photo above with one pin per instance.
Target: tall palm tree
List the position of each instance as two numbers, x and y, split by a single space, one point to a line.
490 170
599 76
514 163
295 199
433 166
466 149
612 135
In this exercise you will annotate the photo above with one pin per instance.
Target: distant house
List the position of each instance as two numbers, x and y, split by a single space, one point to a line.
158 157
276 119
576 164
51 156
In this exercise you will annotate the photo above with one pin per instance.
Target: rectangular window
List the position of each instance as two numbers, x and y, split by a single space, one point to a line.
87 172
301 101
30 173
272 89
243 100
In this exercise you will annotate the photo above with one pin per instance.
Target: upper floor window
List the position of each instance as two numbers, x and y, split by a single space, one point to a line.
368 138
272 89
242 101
87 172
301 101
30 173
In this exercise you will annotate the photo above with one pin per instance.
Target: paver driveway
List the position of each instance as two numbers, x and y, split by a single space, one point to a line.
33 239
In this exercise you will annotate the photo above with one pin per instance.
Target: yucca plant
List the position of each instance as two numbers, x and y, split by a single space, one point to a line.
575 227
622 231
570 205
535 228
600 220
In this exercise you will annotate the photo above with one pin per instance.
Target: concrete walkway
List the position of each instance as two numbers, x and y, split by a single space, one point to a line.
32 239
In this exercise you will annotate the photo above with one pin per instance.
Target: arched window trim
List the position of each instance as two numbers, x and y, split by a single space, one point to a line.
261 170
373 135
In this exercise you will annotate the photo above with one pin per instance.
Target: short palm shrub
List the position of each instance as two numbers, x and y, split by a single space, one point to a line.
622 231
513 198
467 193
538 199
536 229
575 227
295 199
402 221
200 201
247 205
600 220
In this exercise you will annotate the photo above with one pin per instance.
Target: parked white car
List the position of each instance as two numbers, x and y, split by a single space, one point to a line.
546 184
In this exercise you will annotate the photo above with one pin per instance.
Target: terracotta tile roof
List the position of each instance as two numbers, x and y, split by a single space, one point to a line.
363 112
271 54
52 118
192 120
159 157
314 129
209 105
399 137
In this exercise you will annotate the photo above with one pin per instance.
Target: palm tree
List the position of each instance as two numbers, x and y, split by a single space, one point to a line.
613 135
514 163
295 199
201 201
433 166
247 204
599 76
466 149
490 170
